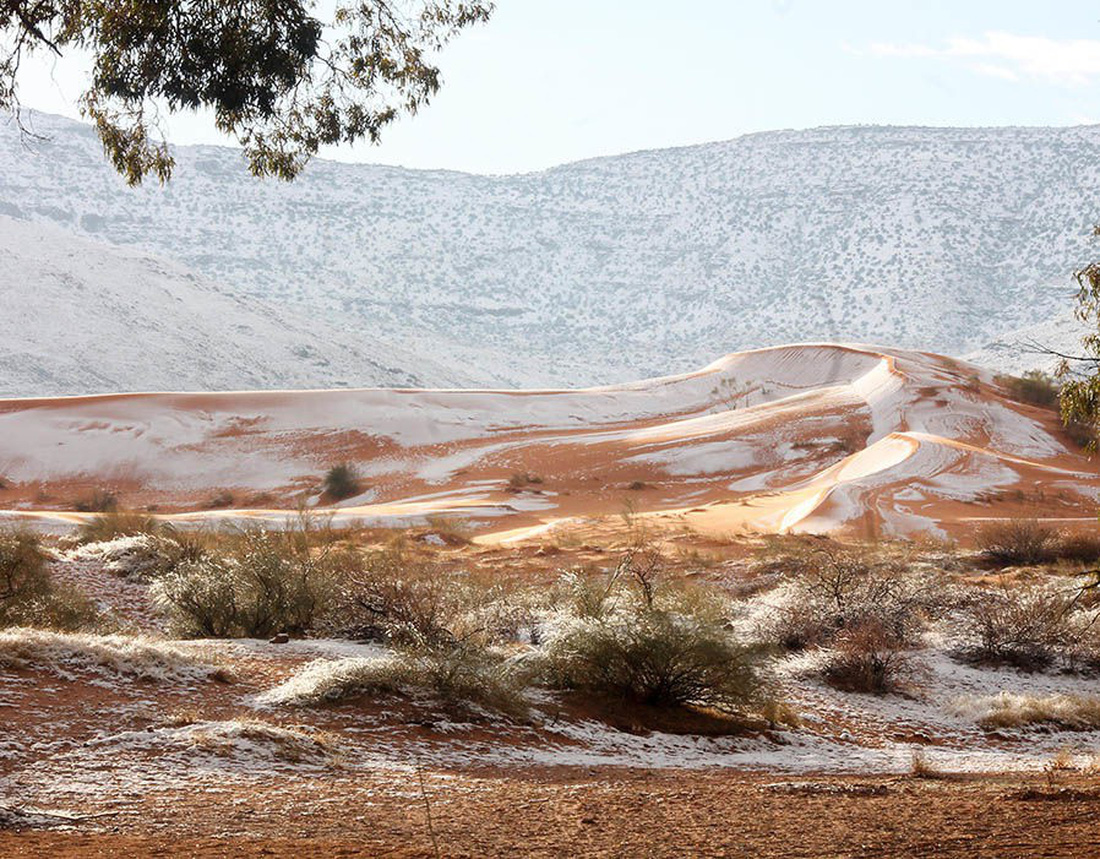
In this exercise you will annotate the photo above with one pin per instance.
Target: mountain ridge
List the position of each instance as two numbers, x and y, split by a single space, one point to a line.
624 266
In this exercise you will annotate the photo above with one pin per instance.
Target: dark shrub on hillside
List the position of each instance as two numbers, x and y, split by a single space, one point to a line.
867 658
341 482
838 589
99 501
1017 541
1034 387
1030 628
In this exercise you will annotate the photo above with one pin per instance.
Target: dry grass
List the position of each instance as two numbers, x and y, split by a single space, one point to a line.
463 680
1010 710
123 656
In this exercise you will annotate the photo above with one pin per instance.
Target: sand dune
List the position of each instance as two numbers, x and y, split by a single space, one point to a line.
819 437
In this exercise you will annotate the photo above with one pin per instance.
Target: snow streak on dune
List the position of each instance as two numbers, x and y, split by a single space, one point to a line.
811 436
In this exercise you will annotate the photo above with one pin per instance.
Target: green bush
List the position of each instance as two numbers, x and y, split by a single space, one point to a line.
1034 387
635 638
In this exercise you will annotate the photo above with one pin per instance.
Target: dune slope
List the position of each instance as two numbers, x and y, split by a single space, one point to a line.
814 437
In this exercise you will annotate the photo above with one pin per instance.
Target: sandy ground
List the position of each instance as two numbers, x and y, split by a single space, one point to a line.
621 813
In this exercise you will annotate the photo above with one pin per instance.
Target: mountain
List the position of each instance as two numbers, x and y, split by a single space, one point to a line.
83 317
1030 347
818 437
616 268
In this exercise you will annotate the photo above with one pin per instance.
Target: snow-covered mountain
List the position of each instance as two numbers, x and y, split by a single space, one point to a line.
616 268
82 317
1032 346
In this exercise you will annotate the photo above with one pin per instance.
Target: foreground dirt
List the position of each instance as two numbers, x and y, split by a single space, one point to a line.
625 814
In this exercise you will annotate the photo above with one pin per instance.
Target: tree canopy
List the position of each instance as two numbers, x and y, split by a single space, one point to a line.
276 77
1080 393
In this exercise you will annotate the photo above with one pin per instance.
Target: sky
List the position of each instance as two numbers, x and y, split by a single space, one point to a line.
547 82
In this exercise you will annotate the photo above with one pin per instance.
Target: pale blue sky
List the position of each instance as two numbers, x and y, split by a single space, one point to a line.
550 81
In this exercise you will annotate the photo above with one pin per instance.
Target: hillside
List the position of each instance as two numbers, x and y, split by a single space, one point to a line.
621 267
84 317
813 437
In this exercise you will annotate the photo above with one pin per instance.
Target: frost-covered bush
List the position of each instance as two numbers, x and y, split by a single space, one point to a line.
267 582
392 597
632 637
1030 627
28 595
113 523
867 658
835 590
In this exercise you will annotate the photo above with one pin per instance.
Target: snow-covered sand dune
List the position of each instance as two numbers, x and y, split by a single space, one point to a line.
811 436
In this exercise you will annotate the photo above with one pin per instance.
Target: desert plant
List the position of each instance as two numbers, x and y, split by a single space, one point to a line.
97 501
1017 541
634 637
393 597
523 479
1028 627
1034 387
867 658
837 589
341 481
266 582
458 678
28 596
116 523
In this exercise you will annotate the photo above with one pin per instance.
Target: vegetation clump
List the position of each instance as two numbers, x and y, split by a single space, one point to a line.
266 582
341 482
634 637
28 594
1033 387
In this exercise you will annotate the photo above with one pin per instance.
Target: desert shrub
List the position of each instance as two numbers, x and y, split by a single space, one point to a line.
836 590
97 501
267 582
867 658
523 479
28 596
1081 433
220 500
392 597
1026 627
113 524
1034 387
633 637
341 481
1080 546
1017 541
458 678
